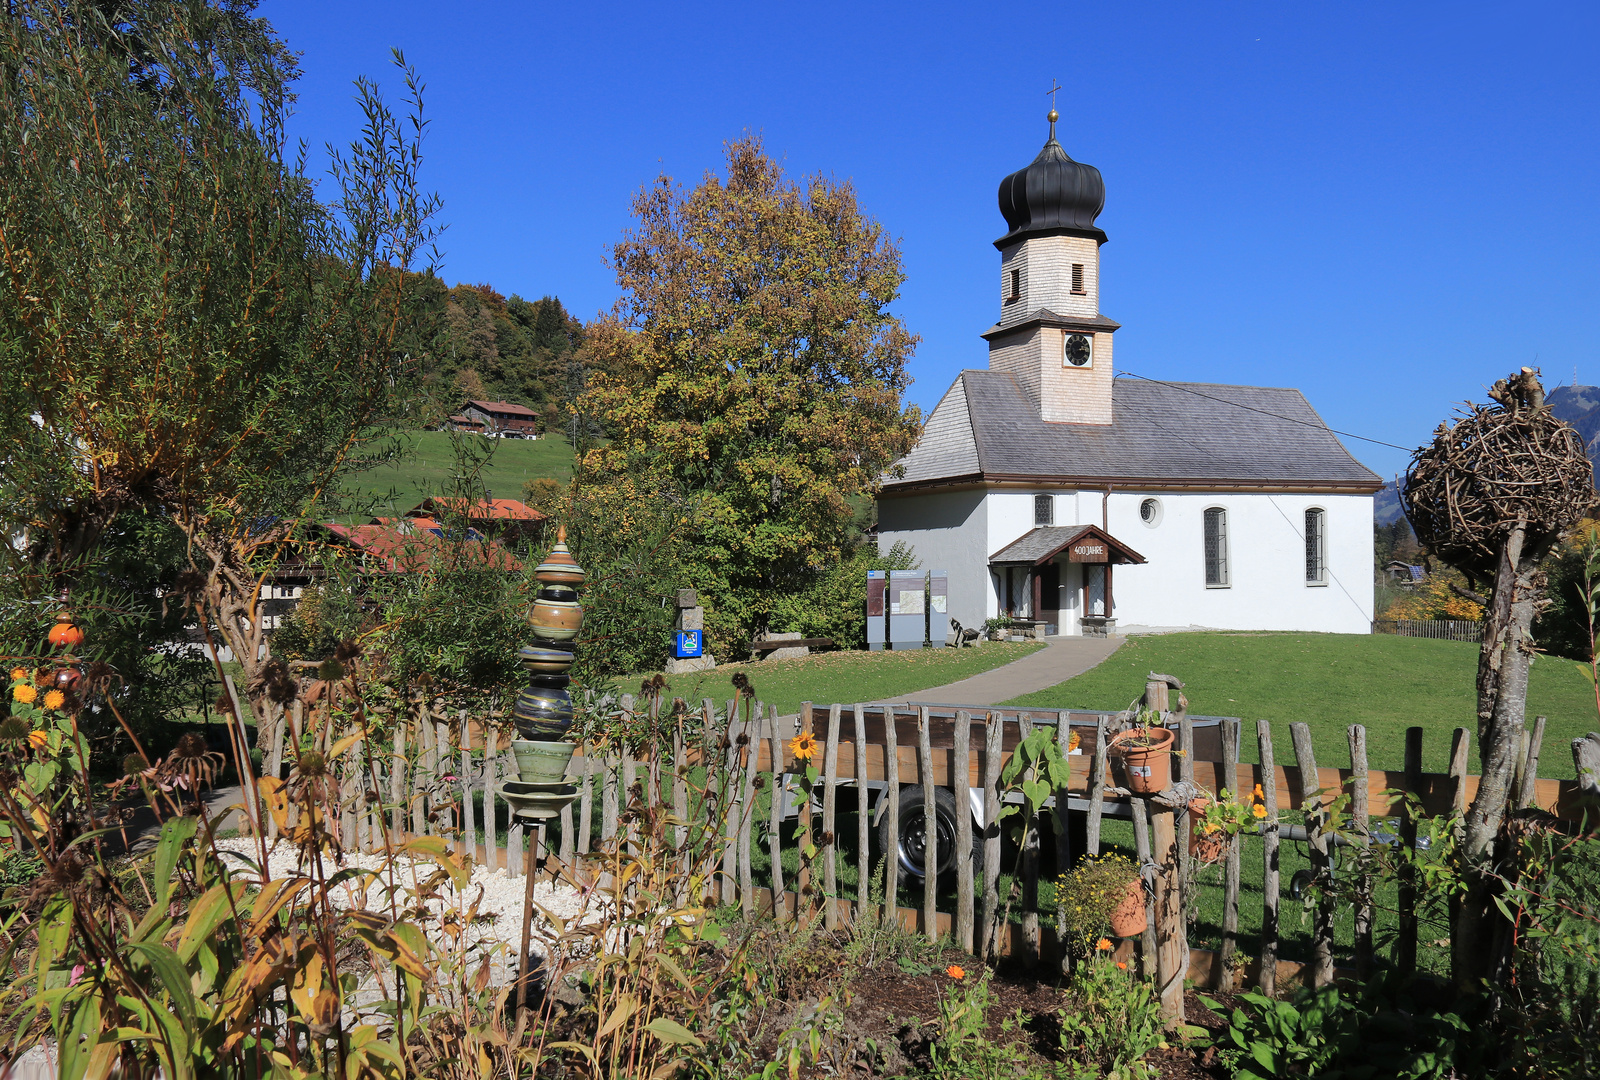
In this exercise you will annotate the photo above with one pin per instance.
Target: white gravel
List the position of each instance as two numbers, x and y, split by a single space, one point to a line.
498 895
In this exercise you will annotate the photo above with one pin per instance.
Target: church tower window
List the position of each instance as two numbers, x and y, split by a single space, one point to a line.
1077 280
1044 510
1015 292
1216 548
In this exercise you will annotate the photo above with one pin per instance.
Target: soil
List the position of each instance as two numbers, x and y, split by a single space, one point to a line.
888 1018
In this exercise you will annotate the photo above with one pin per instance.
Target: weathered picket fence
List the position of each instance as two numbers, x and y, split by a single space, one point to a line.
439 772
1439 629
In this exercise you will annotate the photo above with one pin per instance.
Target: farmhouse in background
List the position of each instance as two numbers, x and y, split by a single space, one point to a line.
500 418
1049 490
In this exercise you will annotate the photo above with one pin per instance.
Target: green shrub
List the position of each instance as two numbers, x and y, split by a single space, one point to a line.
1112 1020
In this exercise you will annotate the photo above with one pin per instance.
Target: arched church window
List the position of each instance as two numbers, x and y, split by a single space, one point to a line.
1216 548
1316 547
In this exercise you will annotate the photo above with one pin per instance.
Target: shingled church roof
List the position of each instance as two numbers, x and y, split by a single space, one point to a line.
1201 435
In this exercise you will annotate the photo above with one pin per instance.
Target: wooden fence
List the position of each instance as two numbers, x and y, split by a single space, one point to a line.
1440 629
436 777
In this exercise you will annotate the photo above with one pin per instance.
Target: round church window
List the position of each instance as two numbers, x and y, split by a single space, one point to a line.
1150 512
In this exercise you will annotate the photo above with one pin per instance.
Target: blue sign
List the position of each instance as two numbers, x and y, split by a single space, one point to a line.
687 645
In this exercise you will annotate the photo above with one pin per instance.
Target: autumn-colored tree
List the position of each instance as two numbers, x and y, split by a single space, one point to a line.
751 366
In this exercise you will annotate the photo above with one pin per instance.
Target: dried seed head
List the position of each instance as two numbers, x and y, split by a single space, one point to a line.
224 704
133 765
743 739
330 670
14 729
191 746
741 681
312 764
347 651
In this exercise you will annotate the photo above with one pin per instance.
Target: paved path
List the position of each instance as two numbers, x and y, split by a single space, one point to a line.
1060 660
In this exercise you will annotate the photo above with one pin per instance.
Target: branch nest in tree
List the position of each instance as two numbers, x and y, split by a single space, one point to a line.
1495 466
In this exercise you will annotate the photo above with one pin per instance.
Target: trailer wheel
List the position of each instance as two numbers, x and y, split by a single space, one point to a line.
912 850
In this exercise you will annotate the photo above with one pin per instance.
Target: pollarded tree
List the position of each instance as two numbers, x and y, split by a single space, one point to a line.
752 365
184 325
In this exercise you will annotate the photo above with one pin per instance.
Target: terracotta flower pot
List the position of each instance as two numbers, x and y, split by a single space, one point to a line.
1142 758
1129 918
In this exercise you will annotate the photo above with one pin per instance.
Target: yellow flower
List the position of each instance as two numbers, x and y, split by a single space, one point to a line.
24 693
18 674
803 746
1258 810
36 739
54 699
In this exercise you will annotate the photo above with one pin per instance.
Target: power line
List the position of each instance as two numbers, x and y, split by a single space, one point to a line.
1264 412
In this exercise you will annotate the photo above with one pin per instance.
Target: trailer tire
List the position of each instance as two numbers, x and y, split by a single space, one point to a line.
912 847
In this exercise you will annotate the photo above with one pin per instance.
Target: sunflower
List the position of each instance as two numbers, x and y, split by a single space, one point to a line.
54 699
803 746
24 693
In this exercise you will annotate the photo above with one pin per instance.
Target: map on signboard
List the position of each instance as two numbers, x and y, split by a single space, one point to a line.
906 601
938 593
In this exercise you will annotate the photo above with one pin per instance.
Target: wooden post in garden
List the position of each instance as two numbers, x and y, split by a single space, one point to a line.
1269 855
1230 870
1030 870
1172 935
1144 853
397 774
960 787
1097 787
1361 822
780 907
891 854
1405 946
930 829
469 829
993 730
491 781
1313 802
863 820
751 741
1529 782
828 847
804 886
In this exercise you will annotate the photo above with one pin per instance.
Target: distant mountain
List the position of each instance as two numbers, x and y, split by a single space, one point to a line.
1580 407
1577 405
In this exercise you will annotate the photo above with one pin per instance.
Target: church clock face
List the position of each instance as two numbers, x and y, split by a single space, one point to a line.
1079 350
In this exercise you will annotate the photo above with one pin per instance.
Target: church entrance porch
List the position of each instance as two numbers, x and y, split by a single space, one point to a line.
1061 577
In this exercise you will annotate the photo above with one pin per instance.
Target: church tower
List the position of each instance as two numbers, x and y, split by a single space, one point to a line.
1051 336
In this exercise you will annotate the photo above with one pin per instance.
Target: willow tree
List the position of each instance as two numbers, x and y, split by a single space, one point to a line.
1492 496
752 367
185 324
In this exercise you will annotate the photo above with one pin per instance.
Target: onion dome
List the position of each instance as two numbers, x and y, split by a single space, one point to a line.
1054 196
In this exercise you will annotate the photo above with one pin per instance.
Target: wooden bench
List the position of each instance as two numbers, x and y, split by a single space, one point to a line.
791 643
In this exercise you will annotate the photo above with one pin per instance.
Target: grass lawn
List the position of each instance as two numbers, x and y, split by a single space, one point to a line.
844 677
1330 681
428 470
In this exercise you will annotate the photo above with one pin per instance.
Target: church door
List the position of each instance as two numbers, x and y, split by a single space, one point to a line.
1049 593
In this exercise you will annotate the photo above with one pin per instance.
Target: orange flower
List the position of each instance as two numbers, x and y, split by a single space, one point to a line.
18 674
1103 945
1123 964
955 972
803 746
1258 810
37 739
24 693
54 699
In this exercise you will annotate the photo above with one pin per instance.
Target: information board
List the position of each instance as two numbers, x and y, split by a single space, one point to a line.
877 624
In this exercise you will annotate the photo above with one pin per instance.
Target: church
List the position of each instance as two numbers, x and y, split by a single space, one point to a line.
1054 493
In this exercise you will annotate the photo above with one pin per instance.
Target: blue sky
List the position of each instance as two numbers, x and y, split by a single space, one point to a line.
1386 205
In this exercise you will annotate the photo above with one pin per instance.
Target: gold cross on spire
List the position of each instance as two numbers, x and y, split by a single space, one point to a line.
1054 116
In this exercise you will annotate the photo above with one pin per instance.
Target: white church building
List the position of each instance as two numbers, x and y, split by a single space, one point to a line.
1051 491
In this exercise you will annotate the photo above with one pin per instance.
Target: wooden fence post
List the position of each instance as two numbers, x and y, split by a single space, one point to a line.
397 774
891 854
1097 787
780 907
491 781
930 829
1269 855
804 886
732 770
960 787
751 732
1030 870
863 820
1405 946
1360 817
1149 873
469 828
1530 774
1172 936
830 781
993 733
1314 804
1231 869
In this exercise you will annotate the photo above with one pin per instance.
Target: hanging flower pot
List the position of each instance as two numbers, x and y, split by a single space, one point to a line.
1129 918
1141 758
